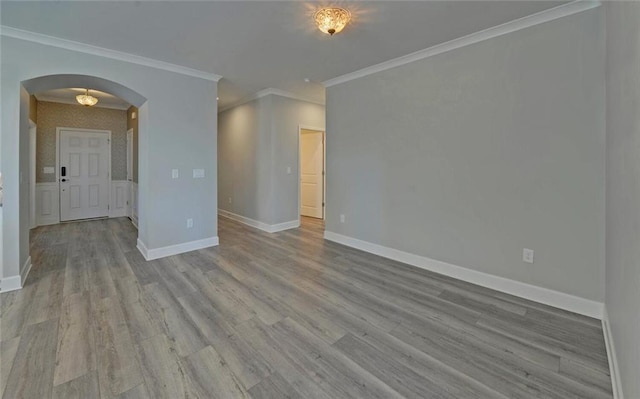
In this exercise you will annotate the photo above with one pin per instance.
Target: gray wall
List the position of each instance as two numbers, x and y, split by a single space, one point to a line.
472 155
244 160
178 126
257 141
623 189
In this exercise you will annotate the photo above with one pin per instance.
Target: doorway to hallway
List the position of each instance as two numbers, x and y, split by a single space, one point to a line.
312 173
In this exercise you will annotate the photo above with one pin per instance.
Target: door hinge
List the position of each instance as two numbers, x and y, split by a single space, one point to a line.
108 207
323 204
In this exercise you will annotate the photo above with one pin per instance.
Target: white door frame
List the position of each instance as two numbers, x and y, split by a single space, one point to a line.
32 173
130 172
75 129
324 166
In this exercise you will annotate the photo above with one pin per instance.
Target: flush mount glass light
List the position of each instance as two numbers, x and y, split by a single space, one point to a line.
332 20
86 99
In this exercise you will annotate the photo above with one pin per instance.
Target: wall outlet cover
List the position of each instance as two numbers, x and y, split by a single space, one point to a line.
198 173
48 170
527 255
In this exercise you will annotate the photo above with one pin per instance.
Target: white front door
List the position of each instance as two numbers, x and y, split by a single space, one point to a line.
84 174
311 173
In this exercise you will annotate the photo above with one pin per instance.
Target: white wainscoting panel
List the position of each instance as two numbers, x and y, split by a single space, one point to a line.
134 203
47 203
119 197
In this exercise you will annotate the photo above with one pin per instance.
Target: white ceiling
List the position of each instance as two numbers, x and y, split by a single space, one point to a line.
259 45
68 96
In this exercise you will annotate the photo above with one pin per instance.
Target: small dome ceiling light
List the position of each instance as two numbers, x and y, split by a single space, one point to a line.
86 99
332 20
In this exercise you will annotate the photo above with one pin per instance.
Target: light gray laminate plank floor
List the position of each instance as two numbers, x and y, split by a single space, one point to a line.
285 315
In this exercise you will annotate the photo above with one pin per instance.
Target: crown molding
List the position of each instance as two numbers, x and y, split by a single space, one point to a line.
104 52
70 101
561 11
264 93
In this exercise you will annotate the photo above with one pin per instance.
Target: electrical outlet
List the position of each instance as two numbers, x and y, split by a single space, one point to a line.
527 255
189 223
341 218
229 200
198 173
175 173
288 170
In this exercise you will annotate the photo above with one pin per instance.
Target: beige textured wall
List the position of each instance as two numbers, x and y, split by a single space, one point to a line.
53 115
133 124
33 108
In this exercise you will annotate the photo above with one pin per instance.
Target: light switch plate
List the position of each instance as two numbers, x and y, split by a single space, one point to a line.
198 173
48 170
175 173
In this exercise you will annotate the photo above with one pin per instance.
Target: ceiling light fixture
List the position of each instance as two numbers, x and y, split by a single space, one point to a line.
332 20
86 99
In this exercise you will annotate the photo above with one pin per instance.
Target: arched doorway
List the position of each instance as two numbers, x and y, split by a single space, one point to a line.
41 84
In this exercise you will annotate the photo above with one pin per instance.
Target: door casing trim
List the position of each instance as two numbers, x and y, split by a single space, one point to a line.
324 168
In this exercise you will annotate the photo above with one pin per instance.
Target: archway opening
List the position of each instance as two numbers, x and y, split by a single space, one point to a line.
63 81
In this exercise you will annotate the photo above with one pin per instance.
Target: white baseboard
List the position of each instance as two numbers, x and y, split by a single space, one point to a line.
156 253
24 272
16 282
546 296
269 228
616 383
292 224
10 283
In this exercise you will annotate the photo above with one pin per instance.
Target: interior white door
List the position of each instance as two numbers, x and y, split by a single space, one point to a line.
84 174
311 173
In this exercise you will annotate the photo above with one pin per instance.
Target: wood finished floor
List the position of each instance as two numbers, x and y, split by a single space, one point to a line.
284 315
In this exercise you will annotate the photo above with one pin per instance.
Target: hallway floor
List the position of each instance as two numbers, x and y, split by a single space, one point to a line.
285 315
